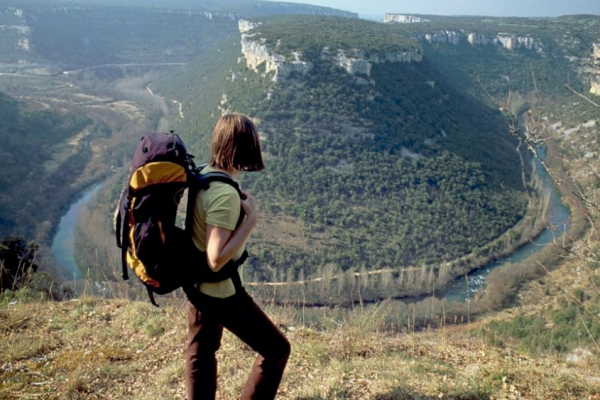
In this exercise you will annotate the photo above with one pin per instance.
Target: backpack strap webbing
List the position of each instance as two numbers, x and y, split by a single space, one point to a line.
125 239
151 296
118 226
121 231
235 275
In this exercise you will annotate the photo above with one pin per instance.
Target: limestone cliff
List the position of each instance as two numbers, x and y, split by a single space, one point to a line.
16 35
507 40
477 39
355 61
403 19
358 62
256 53
21 32
595 88
442 37
512 42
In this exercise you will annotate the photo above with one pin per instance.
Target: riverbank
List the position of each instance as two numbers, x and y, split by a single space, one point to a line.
63 243
505 284
349 288
336 288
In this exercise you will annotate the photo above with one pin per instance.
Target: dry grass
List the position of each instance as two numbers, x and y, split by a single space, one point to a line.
92 348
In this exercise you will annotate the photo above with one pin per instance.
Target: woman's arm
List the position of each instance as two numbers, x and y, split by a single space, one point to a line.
222 244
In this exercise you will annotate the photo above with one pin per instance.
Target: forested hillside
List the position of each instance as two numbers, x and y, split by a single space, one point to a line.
77 76
36 161
384 143
388 169
91 33
489 57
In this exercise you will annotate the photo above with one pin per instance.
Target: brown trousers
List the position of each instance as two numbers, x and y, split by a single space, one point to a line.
207 316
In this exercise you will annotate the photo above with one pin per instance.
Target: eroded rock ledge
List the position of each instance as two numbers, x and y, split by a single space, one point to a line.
355 61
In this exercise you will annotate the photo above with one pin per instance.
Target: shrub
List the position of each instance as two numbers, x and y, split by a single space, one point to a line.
17 263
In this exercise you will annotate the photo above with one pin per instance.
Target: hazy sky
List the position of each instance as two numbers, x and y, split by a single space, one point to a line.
520 8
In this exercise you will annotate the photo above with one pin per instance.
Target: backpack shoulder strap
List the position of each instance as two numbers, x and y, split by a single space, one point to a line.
201 181
209 177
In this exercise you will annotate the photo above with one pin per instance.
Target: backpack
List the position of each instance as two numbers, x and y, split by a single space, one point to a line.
162 255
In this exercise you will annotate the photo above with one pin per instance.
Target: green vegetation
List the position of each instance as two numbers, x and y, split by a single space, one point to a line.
401 168
35 163
564 277
386 174
489 69
452 177
95 37
16 263
310 35
199 88
560 330
90 33
113 102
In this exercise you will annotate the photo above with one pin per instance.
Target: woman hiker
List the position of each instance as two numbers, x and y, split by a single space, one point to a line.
225 304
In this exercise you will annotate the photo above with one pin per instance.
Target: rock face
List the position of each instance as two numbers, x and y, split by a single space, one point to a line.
15 33
245 26
442 37
355 61
403 19
506 40
512 42
477 39
595 89
257 53
354 64
358 62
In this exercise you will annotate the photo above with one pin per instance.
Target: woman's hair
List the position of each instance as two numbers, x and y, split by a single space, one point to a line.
235 144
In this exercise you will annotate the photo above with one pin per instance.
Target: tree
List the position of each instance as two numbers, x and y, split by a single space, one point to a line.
17 262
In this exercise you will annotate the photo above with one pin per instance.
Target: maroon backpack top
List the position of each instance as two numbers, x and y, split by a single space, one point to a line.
161 254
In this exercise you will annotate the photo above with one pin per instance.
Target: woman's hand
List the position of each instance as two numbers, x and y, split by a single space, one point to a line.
250 208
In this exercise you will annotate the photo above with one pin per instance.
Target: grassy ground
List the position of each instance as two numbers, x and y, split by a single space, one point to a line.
92 348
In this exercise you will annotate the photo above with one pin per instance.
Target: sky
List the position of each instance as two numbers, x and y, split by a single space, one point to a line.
500 8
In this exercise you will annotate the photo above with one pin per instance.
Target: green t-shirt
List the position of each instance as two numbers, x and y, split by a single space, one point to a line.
218 206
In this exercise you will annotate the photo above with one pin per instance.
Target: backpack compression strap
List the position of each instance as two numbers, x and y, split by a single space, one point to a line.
125 239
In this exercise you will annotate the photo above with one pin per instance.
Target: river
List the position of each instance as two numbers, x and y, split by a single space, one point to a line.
63 243
466 287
